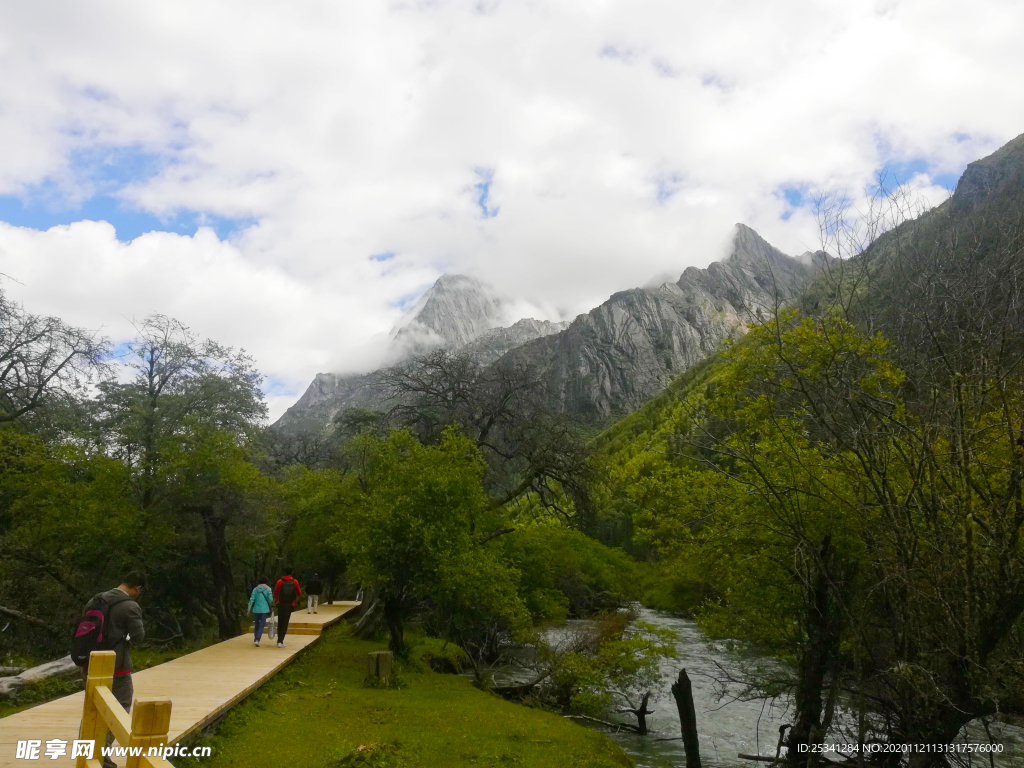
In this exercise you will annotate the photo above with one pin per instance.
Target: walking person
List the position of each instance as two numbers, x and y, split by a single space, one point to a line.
123 624
261 604
286 593
313 587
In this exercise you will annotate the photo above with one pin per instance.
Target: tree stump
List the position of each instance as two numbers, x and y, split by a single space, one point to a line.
380 667
683 693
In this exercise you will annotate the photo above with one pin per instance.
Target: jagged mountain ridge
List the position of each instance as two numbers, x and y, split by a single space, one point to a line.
615 357
605 363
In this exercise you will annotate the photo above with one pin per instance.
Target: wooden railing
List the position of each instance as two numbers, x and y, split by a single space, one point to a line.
147 727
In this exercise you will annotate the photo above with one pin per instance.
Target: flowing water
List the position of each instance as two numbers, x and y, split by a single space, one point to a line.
728 727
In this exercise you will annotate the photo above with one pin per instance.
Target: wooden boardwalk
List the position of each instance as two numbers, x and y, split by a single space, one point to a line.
201 685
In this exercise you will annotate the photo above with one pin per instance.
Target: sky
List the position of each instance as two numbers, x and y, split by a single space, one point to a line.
289 177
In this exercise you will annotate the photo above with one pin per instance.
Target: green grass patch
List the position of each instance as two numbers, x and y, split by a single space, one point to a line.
317 713
38 693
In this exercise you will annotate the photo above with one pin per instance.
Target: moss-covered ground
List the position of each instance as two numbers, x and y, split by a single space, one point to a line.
318 713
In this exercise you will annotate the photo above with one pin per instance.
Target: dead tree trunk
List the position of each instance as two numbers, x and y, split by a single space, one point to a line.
641 713
683 693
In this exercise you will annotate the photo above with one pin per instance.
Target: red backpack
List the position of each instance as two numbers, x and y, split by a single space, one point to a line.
93 633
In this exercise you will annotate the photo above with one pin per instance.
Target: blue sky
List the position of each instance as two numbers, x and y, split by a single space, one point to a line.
889 176
91 186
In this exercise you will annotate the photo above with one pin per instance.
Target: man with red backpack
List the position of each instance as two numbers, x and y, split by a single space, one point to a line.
112 620
286 594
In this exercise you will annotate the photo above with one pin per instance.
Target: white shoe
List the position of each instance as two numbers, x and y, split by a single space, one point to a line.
280 645
256 643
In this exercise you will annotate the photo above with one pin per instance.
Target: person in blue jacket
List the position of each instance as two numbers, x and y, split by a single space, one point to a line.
261 603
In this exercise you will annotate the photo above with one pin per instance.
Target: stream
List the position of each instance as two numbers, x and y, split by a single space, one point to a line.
726 727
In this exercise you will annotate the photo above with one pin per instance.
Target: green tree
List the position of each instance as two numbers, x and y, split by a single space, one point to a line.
838 526
178 381
66 522
207 475
187 423
529 447
412 527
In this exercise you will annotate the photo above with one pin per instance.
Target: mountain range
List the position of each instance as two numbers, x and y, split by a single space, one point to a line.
603 364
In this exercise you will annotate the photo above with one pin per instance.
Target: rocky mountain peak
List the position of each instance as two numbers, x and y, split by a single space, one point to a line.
454 311
748 247
992 173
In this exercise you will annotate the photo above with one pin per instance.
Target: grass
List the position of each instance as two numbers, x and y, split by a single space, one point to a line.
317 713
39 693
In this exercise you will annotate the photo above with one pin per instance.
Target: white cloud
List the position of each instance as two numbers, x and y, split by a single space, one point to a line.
351 129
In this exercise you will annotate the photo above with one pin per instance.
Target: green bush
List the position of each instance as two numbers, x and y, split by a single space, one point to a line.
564 573
428 654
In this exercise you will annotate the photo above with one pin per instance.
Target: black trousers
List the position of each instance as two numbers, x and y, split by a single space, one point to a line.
284 615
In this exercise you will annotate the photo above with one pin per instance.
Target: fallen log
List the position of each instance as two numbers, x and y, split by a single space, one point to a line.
26 618
605 723
9 686
371 621
519 691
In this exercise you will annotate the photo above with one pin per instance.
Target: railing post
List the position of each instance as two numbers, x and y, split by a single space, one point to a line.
101 675
151 720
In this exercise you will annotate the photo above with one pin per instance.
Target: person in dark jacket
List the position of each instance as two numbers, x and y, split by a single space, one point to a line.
126 627
286 595
313 587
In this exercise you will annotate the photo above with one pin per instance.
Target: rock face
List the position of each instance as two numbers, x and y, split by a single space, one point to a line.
612 359
454 312
493 344
325 396
605 363
1003 168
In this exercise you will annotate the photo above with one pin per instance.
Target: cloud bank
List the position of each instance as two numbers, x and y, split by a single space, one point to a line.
310 168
